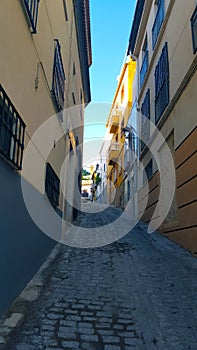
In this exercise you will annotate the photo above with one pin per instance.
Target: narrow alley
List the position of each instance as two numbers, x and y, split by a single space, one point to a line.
98 175
136 293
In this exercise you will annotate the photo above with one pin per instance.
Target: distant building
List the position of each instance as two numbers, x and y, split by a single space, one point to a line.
44 68
116 123
103 198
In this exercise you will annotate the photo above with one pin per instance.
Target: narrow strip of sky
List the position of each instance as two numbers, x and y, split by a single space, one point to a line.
111 22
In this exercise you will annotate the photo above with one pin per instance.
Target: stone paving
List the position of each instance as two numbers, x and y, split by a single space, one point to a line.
137 293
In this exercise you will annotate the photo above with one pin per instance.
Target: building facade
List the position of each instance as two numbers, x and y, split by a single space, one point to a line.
44 70
117 121
164 42
103 198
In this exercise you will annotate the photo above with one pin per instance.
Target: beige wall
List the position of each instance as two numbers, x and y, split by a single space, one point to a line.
180 50
178 121
25 57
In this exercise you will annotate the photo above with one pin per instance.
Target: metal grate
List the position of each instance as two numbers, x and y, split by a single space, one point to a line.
12 131
144 68
52 185
148 171
158 22
31 7
145 124
161 84
194 30
58 83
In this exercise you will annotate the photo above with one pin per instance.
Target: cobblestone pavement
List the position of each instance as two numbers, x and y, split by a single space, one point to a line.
137 293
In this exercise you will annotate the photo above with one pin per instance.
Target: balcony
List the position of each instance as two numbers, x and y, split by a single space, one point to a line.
113 153
114 122
109 168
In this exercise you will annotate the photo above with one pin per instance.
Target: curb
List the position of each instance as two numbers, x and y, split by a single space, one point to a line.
17 312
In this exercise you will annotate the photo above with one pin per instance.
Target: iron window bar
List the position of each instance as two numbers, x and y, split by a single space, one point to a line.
52 185
158 22
31 7
144 68
148 171
194 30
145 117
12 131
161 84
58 81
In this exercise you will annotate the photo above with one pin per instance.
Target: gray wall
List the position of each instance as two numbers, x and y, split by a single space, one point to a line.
23 247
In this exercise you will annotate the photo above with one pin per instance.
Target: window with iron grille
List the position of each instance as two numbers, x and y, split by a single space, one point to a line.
148 171
194 30
128 190
58 82
71 146
145 117
12 131
144 67
158 21
74 100
31 8
162 84
52 185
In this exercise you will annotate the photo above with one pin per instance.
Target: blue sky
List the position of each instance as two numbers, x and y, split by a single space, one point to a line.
110 29
111 22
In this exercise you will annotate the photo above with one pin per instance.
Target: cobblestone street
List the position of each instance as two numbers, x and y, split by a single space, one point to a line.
136 293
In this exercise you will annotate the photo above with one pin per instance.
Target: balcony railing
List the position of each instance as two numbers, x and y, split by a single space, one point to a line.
158 22
144 68
113 153
114 121
109 168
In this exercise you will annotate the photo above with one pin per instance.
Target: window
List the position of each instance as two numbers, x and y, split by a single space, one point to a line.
122 94
161 84
12 131
158 21
148 171
58 83
73 96
52 185
71 146
194 30
74 69
144 68
77 141
145 117
31 8
122 128
128 190
115 175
